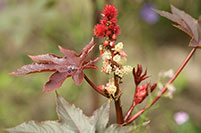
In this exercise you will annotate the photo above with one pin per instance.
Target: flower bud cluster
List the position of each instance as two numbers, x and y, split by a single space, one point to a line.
110 88
113 60
141 91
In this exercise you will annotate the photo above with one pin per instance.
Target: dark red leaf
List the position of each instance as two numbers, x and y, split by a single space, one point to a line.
71 64
90 66
86 50
55 81
78 77
188 21
47 58
70 55
66 52
185 23
66 68
34 68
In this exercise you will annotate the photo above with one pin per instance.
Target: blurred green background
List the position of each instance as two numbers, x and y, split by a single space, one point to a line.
32 27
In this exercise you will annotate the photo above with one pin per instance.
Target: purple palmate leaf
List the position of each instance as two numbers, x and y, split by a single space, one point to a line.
71 64
55 81
78 77
86 50
34 68
185 23
70 55
47 58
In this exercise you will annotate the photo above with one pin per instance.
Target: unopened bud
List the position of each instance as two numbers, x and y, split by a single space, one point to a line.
112 44
108 33
101 52
101 87
105 43
114 36
123 53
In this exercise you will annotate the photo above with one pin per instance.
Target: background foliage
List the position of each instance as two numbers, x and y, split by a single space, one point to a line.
35 27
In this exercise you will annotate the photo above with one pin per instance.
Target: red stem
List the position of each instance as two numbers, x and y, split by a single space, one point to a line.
119 113
94 86
129 112
132 106
135 116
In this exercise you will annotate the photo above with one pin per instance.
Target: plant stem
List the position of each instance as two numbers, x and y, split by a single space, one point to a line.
135 116
94 86
129 112
126 117
119 113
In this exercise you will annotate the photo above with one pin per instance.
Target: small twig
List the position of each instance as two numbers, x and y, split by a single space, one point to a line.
132 106
135 116
129 112
94 86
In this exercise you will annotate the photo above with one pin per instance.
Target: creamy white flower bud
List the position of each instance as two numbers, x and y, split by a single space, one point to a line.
119 47
107 55
100 47
127 69
110 87
122 71
107 69
119 72
123 60
117 58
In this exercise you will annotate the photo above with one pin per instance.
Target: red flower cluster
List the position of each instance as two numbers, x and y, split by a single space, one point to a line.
110 12
108 23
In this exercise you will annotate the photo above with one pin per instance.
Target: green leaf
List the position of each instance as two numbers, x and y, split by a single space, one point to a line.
73 116
71 120
114 128
100 117
43 127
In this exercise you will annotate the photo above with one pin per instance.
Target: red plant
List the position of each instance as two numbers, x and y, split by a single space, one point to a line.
71 64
